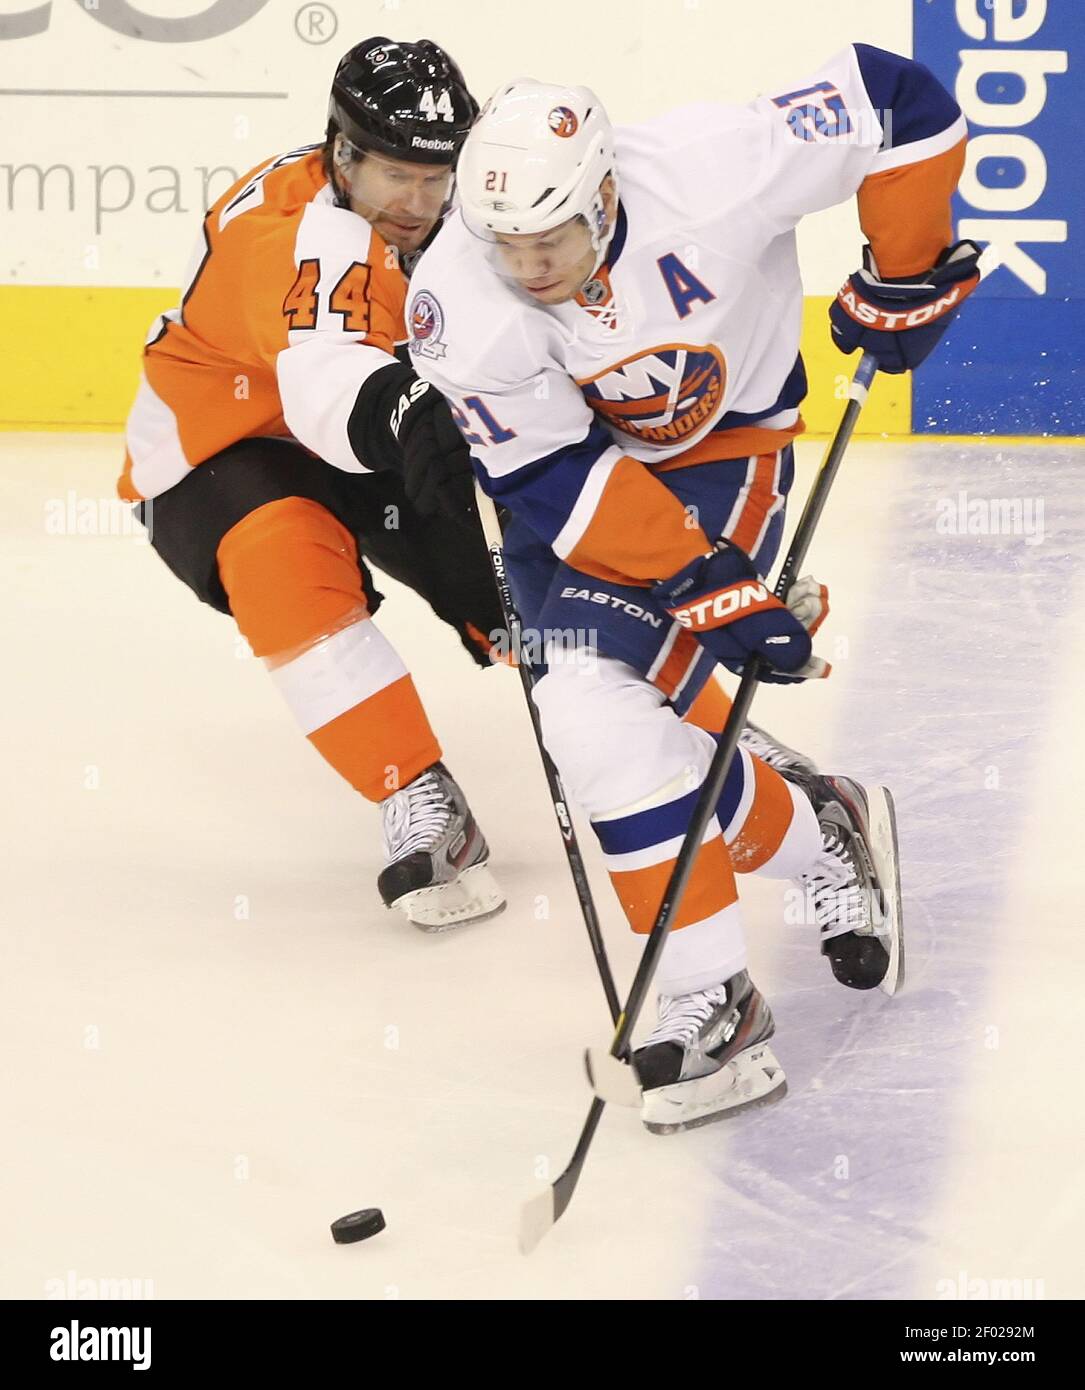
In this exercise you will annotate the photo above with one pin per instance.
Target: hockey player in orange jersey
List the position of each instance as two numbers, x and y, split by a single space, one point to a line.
278 442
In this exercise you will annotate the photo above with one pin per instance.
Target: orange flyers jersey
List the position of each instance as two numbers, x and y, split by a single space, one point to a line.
291 302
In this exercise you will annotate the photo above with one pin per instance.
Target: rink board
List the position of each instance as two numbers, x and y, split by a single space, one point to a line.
88 381
1012 364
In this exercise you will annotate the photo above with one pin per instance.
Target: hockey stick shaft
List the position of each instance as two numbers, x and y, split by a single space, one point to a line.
491 527
562 1189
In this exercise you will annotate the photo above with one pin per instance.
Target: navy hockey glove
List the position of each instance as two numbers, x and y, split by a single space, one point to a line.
725 604
900 321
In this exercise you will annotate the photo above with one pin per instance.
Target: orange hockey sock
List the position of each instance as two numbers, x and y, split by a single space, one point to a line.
290 569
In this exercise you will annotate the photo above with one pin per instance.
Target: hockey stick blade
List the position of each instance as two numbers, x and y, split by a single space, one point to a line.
611 1079
536 1218
539 1213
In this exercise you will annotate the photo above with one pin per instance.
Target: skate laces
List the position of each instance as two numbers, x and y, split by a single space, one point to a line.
840 903
681 1015
754 742
762 745
416 817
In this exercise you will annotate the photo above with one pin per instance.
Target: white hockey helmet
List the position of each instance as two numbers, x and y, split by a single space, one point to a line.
534 159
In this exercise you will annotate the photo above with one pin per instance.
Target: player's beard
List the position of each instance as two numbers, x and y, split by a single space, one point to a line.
405 237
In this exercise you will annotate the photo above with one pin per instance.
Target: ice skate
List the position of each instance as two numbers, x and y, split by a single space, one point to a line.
437 871
855 883
770 750
708 1057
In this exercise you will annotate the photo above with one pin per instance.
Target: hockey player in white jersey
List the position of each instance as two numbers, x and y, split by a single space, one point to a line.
614 317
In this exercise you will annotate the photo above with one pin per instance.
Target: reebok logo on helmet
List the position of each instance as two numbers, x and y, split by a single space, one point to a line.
419 142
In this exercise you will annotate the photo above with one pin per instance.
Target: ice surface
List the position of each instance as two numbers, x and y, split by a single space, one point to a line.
217 1040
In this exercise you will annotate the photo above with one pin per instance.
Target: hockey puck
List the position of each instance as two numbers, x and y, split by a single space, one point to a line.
358 1225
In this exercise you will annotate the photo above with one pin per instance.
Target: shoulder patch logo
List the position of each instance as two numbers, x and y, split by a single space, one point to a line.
427 321
562 121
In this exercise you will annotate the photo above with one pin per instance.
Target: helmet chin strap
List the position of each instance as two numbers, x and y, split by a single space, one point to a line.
599 229
343 155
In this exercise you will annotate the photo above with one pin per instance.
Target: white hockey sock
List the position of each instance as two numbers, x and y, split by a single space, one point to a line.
801 844
703 954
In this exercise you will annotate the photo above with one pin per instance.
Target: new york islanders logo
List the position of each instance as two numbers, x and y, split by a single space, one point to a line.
562 121
427 321
660 396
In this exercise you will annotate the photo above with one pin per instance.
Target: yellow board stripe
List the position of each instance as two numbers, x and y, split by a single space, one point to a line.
1003 441
77 361
73 354
888 408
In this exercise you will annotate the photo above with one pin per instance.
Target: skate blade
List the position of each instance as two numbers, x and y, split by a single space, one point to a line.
883 846
612 1080
752 1079
473 896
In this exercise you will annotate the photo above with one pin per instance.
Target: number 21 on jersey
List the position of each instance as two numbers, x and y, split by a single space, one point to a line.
497 432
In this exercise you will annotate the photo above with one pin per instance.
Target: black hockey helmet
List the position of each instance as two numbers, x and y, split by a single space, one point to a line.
405 100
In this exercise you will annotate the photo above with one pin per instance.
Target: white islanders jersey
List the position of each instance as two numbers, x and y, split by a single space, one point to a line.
575 412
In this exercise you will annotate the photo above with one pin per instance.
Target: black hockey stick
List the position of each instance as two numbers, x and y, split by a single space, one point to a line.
542 1211
491 527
